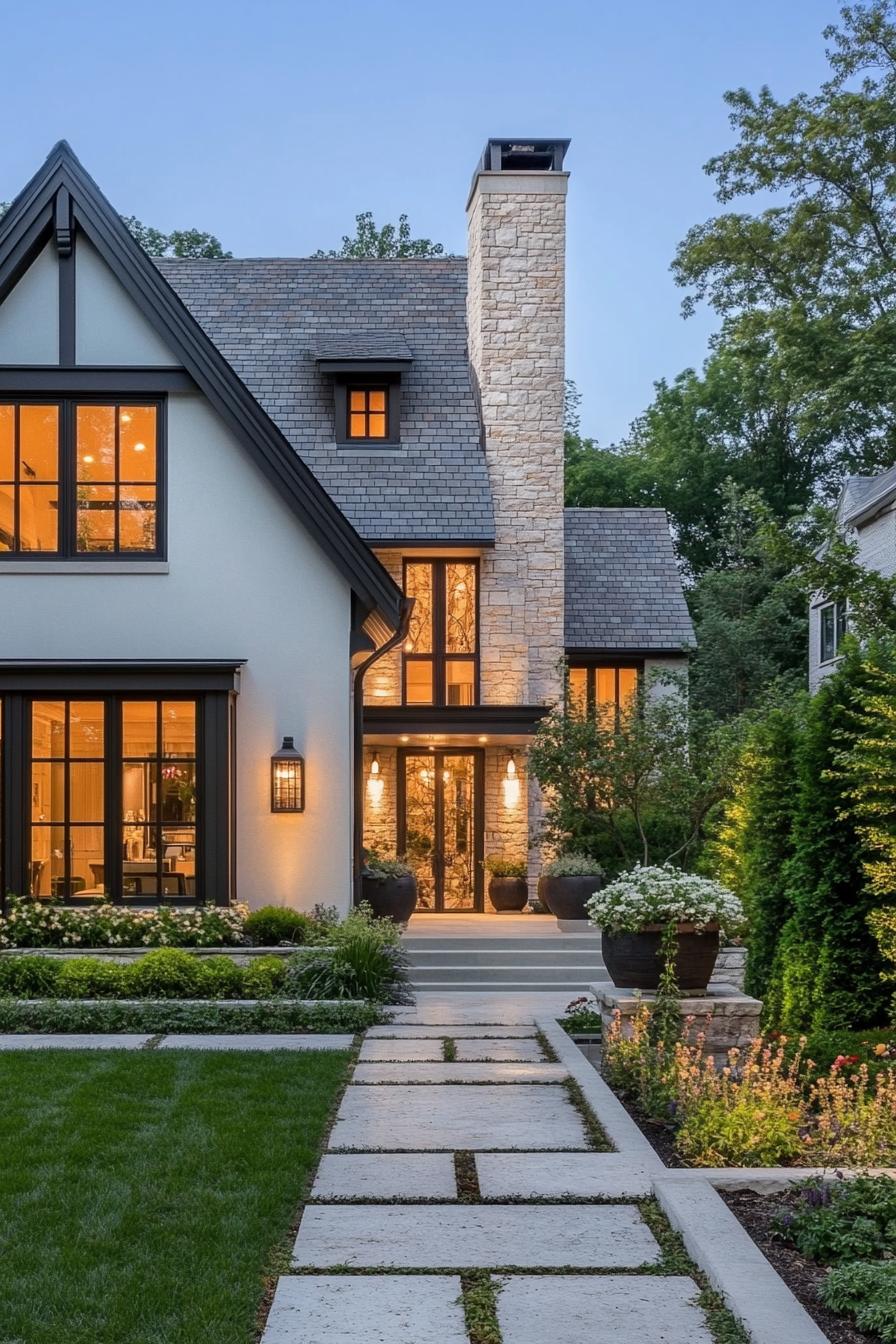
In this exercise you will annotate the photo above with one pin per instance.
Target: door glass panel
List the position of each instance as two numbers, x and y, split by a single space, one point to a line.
159 798
420 826
67 798
458 840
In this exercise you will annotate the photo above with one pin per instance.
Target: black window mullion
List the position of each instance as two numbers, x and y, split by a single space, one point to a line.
68 480
113 837
116 490
66 818
439 642
17 479
159 810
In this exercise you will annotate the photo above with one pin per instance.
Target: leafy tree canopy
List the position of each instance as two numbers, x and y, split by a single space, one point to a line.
370 241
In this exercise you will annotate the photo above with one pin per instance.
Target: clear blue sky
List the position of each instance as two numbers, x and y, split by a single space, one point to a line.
273 123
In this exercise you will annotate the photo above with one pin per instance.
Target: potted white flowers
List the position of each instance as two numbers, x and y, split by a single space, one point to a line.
642 909
567 883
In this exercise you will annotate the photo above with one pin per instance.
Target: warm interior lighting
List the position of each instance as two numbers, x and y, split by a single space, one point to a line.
375 765
375 782
510 784
367 413
511 766
287 779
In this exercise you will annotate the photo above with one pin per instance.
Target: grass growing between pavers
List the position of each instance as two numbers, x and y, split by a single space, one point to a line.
479 1297
723 1325
147 1197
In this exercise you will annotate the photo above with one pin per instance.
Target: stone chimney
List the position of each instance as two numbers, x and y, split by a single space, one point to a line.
516 218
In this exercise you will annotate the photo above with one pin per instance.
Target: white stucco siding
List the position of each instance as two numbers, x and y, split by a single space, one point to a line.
29 315
654 670
243 580
109 327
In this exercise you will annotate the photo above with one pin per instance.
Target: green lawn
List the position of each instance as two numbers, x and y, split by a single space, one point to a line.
143 1195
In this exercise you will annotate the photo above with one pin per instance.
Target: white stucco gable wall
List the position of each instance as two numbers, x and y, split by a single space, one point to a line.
29 316
109 327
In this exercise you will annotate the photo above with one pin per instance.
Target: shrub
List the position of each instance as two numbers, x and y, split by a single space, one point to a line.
275 924
836 1221
582 1015
264 977
743 1132
365 962
501 865
90 978
168 973
572 865
52 1015
221 978
660 896
30 923
361 919
867 1292
380 869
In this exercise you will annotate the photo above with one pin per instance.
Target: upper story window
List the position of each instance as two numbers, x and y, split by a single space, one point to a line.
79 478
368 413
441 653
605 691
833 625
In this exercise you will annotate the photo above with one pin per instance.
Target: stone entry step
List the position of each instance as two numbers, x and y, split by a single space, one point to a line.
376 1309
545 960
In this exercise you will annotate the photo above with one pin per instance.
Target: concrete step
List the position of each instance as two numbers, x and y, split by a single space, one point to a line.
499 974
570 986
503 957
578 942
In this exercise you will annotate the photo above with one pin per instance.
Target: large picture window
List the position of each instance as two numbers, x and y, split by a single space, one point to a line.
441 653
79 478
127 797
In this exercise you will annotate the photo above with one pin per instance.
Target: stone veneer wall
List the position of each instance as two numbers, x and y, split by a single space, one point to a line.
515 318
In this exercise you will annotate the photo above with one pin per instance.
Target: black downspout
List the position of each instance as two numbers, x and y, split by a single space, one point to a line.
407 606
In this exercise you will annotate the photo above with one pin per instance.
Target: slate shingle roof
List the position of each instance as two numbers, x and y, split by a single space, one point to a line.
362 345
623 589
272 317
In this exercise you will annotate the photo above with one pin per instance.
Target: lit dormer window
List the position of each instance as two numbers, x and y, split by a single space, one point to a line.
368 413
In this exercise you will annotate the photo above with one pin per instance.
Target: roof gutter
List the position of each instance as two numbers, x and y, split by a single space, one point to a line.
407 606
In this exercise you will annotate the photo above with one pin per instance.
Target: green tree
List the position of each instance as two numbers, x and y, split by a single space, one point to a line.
370 241
810 280
180 243
750 613
637 788
827 967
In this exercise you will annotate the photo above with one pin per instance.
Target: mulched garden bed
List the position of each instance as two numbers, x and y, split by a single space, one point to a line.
803 1277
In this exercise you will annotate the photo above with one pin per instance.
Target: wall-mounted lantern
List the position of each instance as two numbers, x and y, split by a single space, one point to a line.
375 781
287 779
510 784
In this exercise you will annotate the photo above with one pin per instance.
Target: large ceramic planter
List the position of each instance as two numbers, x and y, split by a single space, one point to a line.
565 897
633 960
391 897
508 894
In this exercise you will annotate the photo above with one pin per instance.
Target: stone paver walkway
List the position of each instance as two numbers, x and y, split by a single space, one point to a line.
470 1157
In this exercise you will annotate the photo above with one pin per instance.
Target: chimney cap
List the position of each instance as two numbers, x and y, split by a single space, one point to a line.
521 154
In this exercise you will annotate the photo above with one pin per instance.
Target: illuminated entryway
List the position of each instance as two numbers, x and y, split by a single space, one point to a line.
440 827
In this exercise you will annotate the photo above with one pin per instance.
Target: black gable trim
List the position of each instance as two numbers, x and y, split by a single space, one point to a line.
24 231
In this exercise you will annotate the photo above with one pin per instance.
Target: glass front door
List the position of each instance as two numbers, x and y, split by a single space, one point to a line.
440 827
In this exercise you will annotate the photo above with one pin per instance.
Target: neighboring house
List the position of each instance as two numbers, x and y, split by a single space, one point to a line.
221 483
865 514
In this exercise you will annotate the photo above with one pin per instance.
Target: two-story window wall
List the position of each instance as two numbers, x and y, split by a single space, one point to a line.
441 653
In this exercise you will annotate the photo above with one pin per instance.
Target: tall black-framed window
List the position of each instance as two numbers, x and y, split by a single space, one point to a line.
441 653
123 797
833 625
81 477
603 689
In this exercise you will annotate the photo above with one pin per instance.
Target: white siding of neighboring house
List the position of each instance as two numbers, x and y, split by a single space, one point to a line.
876 542
243 580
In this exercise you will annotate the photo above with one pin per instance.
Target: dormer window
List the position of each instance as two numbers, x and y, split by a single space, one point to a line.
367 370
368 413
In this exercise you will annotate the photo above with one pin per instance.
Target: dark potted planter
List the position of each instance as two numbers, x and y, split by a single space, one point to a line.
508 894
565 896
634 961
390 888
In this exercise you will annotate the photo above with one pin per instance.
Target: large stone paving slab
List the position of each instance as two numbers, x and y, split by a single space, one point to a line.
374 1309
248 1041
426 1032
94 1041
562 1176
375 1051
605 1309
501 1072
447 1117
385 1176
449 1236
523 1051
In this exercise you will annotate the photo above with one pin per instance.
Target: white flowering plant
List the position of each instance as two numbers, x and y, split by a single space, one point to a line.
665 895
31 923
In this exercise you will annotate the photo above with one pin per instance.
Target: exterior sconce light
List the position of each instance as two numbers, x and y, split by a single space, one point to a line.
510 784
287 779
375 781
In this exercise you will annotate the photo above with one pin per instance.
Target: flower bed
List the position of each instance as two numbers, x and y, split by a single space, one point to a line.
768 1105
38 924
832 1243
